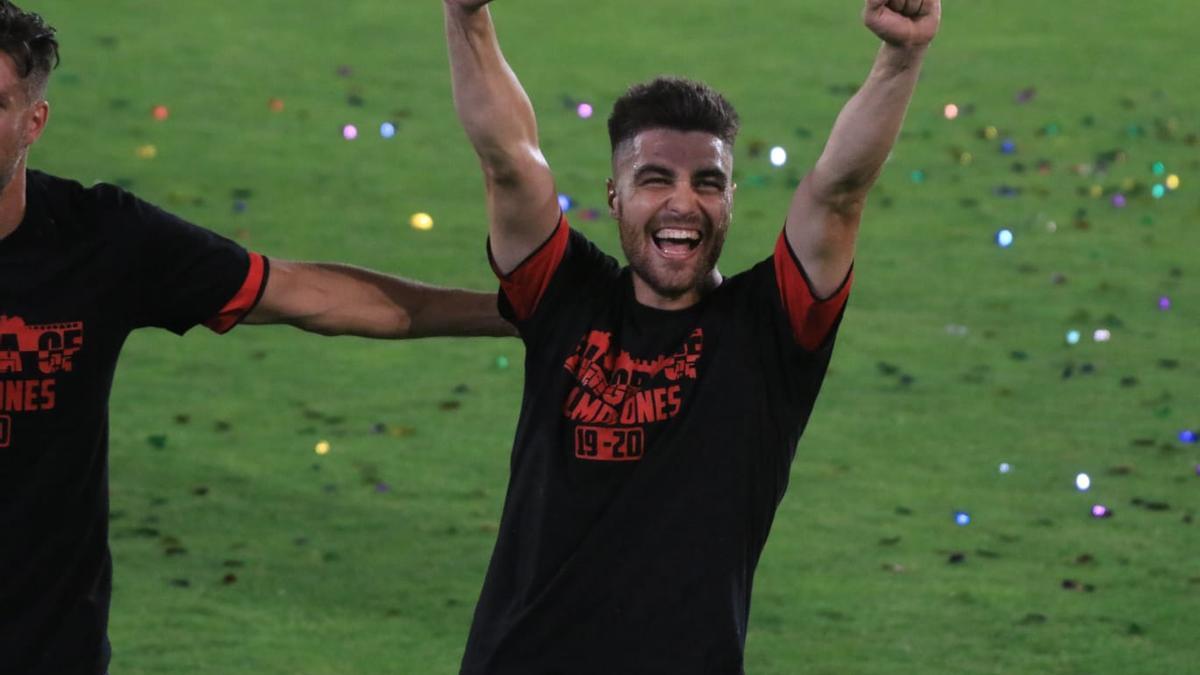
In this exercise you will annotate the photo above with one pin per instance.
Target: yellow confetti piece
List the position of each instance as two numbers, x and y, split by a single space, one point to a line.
322 448
1173 182
421 221
991 133
1096 191
147 152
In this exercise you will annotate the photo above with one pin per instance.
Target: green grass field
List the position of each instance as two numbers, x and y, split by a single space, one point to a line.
239 550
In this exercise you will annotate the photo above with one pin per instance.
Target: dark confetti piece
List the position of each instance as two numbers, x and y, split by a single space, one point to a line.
450 405
174 551
832 615
957 558
229 579
1084 559
182 419
200 491
1032 619
157 441
180 583
1150 505
889 541
222 425
903 511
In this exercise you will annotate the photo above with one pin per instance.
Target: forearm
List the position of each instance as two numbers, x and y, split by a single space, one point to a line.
334 299
494 110
867 127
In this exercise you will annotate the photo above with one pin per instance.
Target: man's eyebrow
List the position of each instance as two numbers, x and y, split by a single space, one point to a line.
711 172
654 169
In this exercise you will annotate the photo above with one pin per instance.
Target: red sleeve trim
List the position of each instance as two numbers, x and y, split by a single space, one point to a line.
244 300
812 319
525 285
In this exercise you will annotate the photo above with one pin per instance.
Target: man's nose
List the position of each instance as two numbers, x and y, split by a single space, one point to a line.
683 201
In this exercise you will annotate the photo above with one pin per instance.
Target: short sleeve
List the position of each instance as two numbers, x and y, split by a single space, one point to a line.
564 270
185 275
812 319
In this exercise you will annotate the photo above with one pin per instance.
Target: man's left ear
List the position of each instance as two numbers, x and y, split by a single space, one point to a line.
39 114
612 198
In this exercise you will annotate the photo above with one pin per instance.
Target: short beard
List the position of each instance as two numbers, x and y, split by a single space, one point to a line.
642 268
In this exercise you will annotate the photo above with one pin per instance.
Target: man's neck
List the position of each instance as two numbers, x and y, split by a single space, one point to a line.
12 202
648 297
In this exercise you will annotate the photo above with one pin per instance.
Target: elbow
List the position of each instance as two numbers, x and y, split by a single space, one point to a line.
510 167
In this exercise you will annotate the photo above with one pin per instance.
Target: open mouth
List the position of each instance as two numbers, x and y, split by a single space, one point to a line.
677 242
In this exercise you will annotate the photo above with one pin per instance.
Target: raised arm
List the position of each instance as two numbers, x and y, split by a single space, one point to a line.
499 120
332 299
822 226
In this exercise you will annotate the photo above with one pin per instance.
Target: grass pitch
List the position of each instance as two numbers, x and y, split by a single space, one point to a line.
238 549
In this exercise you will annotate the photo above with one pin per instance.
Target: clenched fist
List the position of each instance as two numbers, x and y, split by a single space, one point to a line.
467 6
903 23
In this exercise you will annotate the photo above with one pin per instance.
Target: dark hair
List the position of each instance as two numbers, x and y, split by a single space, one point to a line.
672 103
30 42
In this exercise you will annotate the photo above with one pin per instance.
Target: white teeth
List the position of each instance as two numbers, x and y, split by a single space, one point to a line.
671 233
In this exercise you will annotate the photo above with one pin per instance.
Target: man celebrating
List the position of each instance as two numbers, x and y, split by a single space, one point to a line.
79 269
663 402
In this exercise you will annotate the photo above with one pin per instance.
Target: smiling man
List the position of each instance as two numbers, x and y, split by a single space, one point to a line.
663 401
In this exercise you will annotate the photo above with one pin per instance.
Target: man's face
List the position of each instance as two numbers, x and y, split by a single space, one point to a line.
672 195
21 120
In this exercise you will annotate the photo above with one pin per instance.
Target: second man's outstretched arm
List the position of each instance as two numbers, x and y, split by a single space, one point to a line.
822 226
499 120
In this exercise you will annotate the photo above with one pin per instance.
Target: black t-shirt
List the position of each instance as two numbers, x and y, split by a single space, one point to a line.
85 267
652 450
